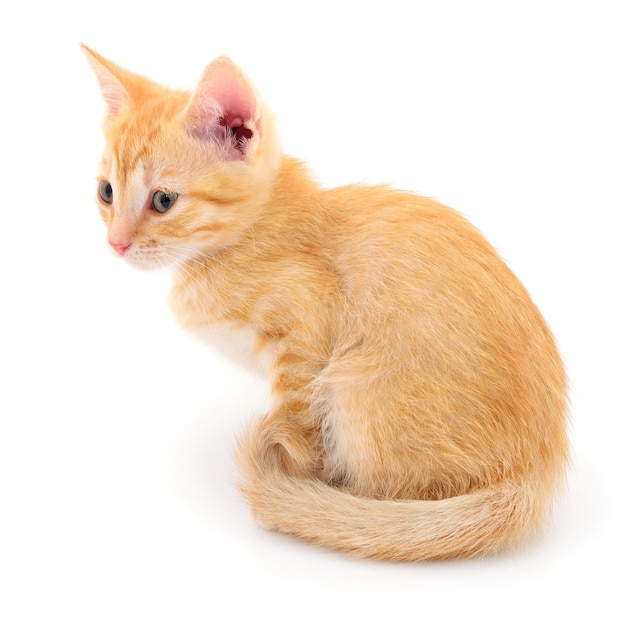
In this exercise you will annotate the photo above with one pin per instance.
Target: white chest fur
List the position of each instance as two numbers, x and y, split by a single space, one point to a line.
238 344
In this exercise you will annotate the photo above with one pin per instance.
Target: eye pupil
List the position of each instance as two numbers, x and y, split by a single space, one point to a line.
106 191
163 201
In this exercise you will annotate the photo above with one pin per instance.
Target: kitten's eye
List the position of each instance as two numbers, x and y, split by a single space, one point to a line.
106 191
163 201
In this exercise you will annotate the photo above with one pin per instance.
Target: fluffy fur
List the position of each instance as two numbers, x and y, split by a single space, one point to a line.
419 400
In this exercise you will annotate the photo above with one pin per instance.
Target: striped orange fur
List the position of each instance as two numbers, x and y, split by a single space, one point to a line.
419 400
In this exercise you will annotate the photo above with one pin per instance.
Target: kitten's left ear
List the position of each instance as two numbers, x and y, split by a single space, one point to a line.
110 78
225 108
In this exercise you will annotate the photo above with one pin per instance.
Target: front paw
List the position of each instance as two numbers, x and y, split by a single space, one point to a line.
287 447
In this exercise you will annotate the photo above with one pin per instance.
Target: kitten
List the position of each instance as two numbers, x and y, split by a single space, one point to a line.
419 401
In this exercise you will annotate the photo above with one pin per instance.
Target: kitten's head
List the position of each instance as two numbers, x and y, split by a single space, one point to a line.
183 173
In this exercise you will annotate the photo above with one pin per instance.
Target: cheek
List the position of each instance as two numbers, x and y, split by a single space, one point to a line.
196 226
105 214
171 229
180 223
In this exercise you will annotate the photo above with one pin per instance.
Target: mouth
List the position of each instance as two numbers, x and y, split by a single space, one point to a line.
145 255
151 254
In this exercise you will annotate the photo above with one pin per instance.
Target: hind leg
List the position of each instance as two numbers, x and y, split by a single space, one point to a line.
382 444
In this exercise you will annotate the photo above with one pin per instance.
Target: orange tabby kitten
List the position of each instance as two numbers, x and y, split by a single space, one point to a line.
419 400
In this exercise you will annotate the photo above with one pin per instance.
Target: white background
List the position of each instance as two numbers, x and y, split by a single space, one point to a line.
117 503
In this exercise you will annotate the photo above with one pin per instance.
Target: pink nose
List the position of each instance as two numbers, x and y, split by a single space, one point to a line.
119 247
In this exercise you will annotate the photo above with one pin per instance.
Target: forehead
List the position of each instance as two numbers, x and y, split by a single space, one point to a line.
143 134
133 147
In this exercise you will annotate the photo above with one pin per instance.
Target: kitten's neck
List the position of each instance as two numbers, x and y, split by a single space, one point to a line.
293 210
292 183
214 287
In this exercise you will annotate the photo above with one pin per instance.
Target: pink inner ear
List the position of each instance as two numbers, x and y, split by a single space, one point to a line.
114 94
225 106
235 97
236 126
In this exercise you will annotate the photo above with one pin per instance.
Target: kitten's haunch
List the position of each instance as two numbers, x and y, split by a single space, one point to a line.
419 400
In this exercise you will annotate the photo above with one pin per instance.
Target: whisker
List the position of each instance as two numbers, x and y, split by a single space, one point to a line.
198 272
192 278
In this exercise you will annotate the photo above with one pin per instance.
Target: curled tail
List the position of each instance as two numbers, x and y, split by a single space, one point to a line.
486 521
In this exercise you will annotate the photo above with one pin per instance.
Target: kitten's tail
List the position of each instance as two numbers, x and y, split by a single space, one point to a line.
482 522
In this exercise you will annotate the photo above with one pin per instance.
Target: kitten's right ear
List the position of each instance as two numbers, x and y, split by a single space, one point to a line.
109 76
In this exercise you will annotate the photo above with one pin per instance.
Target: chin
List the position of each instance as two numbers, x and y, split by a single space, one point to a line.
147 261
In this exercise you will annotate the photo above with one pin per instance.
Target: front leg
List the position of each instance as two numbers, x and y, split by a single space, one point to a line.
288 438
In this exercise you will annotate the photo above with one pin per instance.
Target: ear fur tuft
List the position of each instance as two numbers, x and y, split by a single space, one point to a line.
109 76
